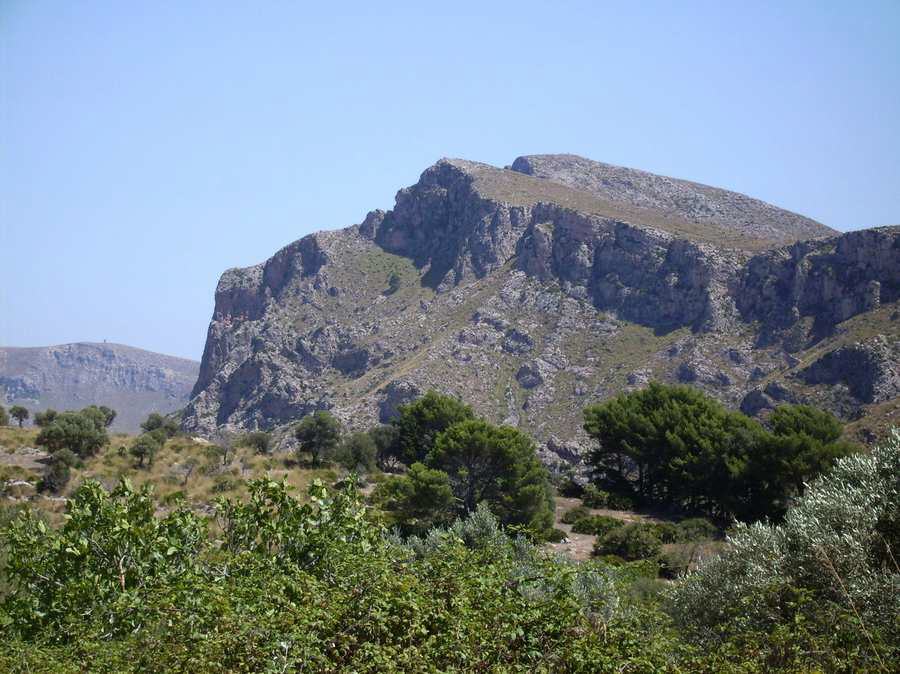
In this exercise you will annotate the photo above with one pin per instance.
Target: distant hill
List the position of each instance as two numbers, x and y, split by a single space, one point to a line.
132 381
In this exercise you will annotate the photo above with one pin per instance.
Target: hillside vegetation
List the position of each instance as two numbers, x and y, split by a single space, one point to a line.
257 553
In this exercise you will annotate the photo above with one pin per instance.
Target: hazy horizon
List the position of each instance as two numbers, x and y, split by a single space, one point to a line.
149 148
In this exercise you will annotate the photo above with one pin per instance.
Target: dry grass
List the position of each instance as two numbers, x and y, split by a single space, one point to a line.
182 469
13 437
518 189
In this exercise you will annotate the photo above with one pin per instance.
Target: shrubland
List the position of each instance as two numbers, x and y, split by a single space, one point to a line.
443 566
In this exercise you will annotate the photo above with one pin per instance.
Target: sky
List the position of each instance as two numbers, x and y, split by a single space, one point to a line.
145 147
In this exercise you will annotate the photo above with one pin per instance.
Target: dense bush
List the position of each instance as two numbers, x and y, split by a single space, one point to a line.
421 421
574 514
592 497
44 418
4 416
357 451
696 529
259 441
617 501
81 432
281 585
313 587
418 501
596 525
157 422
318 434
630 542
829 567
676 446
59 471
101 415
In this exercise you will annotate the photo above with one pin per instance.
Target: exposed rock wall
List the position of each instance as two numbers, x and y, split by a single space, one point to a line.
828 281
530 302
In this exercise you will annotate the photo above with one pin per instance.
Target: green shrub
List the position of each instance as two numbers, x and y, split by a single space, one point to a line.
59 471
596 525
555 536
417 501
81 432
696 529
44 418
157 422
574 514
667 532
817 568
259 441
356 452
620 502
630 542
594 498
678 559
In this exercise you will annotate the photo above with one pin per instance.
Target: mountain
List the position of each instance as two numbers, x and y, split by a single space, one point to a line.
71 376
535 290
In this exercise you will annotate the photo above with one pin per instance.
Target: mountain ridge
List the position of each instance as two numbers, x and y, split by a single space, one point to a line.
531 299
132 381
700 202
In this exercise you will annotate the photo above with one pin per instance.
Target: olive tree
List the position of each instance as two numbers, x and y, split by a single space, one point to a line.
318 434
19 413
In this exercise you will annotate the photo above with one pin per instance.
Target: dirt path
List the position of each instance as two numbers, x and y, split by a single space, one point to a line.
580 546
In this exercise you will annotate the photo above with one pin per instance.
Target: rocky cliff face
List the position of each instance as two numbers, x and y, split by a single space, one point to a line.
71 376
533 292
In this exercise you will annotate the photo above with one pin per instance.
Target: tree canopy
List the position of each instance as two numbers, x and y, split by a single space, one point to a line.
156 421
44 418
103 414
145 447
19 413
497 465
318 433
419 423
675 445
82 432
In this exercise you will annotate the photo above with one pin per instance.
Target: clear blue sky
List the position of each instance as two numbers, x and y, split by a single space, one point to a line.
146 147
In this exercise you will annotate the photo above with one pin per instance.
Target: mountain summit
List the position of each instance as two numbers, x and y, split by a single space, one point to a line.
682 199
533 291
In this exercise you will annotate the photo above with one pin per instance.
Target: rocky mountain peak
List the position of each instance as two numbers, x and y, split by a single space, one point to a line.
681 198
534 290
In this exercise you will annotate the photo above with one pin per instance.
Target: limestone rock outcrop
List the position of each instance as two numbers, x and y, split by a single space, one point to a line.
533 291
